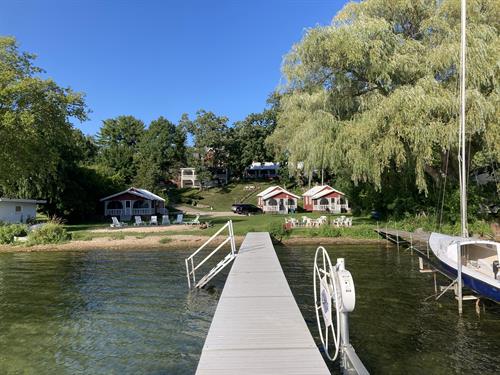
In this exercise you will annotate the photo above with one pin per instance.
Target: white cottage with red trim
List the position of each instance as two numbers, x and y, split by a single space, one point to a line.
133 202
277 200
324 198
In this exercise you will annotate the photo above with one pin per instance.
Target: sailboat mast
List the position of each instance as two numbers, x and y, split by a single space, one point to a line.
461 156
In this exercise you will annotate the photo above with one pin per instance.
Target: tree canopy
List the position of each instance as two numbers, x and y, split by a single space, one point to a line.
118 141
375 93
161 152
35 129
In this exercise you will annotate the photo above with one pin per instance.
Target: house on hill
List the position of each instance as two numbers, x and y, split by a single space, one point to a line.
133 202
324 198
189 179
277 200
262 170
15 211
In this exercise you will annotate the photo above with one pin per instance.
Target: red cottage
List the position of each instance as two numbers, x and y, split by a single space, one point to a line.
325 198
277 200
133 202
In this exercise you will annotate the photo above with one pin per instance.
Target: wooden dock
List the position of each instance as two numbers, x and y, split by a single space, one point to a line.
258 327
396 236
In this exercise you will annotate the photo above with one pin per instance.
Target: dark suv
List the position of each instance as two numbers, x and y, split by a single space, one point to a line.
245 209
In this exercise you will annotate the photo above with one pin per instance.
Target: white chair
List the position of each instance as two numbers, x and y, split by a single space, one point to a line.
178 220
165 220
195 221
138 221
154 220
116 223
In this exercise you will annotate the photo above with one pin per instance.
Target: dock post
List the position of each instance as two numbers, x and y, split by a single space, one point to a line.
411 243
435 282
344 338
386 242
459 277
397 238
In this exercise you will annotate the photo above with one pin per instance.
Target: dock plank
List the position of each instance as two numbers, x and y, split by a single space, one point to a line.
257 327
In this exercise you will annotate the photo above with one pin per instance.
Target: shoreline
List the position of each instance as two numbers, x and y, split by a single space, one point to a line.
174 242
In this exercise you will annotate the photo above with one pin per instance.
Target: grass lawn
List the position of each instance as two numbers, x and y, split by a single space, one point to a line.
221 199
362 228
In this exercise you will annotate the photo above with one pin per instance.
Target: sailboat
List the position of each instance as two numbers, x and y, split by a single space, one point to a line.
473 261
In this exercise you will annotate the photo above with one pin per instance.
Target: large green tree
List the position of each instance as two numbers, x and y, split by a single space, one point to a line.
374 95
118 141
211 142
161 152
248 140
35 128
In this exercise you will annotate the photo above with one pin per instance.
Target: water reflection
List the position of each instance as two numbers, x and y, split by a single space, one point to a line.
102 312
393 329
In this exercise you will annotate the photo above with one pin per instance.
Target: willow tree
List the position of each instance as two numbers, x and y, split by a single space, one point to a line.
376 92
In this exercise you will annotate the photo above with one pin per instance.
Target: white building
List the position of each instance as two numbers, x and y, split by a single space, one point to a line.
188 178
262 170
18 210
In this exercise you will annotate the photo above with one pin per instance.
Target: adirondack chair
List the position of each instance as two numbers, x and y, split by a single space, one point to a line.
116 224
154 220
138 221
179 218
195 221
165 220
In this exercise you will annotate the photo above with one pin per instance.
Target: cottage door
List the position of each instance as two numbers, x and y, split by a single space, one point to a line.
128 210
282 206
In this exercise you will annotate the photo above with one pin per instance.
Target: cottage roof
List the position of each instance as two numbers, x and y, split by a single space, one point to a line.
141 193
268 190
279 191
15 200
320 191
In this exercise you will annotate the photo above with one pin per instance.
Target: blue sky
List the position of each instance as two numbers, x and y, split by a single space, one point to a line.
152 58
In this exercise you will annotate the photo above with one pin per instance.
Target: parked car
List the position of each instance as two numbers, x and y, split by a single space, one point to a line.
245 209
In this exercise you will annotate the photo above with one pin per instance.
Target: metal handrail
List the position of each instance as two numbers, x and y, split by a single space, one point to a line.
189 261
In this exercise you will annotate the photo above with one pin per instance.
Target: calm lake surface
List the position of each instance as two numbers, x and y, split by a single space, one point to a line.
129 312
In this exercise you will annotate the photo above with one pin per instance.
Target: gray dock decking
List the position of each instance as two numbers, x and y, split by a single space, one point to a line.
258 327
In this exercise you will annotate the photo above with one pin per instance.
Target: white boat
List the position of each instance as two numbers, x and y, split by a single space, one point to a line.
478 264
479 260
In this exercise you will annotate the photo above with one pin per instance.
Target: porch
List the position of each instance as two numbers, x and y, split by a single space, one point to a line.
333 208
127 212
283 208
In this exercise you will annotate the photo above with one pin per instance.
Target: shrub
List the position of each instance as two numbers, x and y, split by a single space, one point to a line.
9 231
278 231
50 233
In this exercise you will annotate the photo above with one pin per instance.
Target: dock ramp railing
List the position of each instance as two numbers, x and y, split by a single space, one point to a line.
192 266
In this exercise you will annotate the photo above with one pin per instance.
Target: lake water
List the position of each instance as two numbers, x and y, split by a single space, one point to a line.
129 312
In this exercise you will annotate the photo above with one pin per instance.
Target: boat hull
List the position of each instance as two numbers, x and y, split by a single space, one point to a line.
480 287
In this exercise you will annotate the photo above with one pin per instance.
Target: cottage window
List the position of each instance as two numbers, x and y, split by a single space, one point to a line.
323 202
272 202
291 202
342 200
141 204
115 205
19 208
